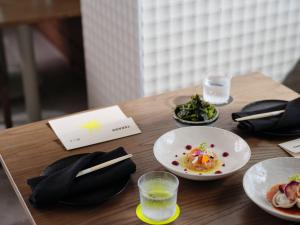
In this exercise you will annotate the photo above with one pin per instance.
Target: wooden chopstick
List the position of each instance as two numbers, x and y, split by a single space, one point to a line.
103 165
260 115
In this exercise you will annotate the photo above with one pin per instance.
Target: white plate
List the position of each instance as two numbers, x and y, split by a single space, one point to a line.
173 143
263 175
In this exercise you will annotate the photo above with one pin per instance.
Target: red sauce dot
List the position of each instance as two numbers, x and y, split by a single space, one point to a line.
218 172
185 169
176 155
183 153
223 164
225 154
188 147
175 163
212 145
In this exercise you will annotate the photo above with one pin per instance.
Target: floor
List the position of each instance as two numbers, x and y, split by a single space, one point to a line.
11 212
54 74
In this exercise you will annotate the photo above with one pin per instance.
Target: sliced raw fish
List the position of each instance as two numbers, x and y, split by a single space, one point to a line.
280 200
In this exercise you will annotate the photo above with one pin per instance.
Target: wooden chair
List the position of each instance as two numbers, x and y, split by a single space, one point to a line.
4 89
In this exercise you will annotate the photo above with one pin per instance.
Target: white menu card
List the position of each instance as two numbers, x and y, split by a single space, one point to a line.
292 147
93 127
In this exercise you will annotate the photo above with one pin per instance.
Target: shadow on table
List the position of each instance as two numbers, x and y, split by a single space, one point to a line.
254 215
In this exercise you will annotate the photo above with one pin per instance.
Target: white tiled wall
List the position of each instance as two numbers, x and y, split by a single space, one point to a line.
112 56
144 47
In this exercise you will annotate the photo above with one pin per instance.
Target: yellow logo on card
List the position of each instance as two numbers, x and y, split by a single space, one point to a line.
92 125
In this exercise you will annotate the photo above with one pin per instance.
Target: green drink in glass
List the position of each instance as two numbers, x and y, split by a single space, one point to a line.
158 195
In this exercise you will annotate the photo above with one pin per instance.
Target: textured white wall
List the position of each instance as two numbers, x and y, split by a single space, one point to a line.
112 53
145 47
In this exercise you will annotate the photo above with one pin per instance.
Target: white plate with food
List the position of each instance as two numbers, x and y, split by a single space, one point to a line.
201 153
273 185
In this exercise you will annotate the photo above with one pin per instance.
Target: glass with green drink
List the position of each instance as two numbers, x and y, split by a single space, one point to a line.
158 195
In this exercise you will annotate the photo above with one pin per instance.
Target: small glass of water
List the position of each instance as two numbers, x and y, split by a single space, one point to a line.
216 89
158 195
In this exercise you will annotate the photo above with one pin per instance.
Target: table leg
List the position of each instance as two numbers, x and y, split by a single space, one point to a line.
4 89
28 66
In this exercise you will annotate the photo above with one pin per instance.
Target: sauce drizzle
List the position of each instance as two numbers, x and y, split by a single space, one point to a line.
225 154
188 147
175 163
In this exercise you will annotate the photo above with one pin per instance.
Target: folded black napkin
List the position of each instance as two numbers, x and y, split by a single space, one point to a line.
288 120
61 183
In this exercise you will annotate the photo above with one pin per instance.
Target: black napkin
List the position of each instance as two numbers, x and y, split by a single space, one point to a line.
288 120
62 183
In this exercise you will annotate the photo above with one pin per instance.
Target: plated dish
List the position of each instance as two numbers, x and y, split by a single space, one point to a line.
196 112
201 153
268 185
200 159
286 196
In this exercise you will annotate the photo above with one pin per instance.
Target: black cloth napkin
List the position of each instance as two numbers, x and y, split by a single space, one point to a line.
62 184
288 120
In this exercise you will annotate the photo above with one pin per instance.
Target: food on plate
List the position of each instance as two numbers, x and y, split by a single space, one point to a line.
286 195
196 110
201 159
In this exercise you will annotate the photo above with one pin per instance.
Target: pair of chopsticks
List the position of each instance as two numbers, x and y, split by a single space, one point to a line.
260 115
103 165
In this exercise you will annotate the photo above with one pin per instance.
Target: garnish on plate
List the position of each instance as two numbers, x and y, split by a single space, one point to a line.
196 110
286 196
202 160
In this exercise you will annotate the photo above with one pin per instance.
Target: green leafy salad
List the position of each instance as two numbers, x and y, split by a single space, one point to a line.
195 110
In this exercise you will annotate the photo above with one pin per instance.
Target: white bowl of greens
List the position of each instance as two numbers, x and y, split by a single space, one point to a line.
196 112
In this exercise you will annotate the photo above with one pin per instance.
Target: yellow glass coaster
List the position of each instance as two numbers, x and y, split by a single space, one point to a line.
141 216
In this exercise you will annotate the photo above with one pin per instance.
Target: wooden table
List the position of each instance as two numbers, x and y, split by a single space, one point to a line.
18 12
28 149
23 13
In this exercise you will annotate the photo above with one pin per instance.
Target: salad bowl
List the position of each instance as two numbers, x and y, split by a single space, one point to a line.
196 112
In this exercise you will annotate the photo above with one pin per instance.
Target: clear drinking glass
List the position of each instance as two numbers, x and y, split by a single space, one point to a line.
216 88
158 194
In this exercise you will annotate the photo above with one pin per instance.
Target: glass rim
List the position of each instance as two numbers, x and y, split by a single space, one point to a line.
217 72
213 79
208 77
162 172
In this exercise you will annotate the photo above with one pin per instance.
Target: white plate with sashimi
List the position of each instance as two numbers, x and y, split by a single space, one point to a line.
274 186
201 153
